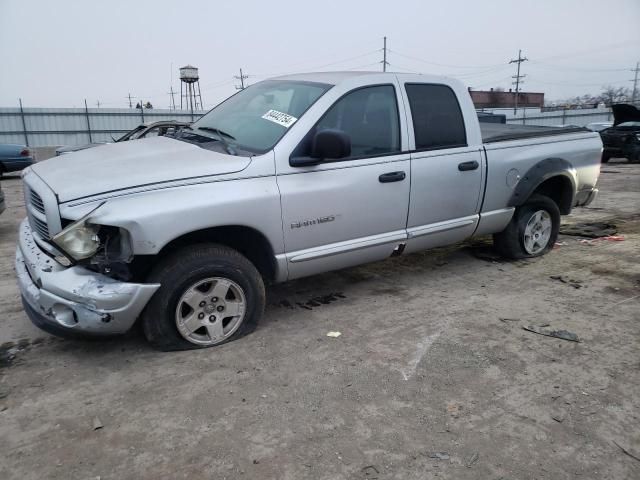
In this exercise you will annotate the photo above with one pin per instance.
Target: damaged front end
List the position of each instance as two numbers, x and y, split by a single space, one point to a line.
80 296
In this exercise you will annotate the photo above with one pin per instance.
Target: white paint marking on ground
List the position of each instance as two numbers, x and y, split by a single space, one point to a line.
421 350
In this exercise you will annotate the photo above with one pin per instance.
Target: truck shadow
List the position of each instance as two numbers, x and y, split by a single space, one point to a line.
298 297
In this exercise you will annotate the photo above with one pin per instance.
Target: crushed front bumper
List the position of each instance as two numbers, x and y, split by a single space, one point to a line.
72 301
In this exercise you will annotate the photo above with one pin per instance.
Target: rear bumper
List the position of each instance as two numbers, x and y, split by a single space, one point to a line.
625 151
74 301
16 164
585 197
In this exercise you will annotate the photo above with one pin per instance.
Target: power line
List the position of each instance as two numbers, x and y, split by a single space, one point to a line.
319 67
442 64
518 78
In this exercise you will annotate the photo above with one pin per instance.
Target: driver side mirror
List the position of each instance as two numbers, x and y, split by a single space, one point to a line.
325 145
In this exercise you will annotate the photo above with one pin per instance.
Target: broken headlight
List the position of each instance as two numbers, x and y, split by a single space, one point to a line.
79 240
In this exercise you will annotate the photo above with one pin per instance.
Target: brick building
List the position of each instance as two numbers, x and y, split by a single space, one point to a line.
501 99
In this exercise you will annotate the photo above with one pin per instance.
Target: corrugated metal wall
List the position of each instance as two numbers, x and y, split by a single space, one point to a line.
76 126
562 117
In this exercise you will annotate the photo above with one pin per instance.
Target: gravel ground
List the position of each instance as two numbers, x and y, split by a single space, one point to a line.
433 375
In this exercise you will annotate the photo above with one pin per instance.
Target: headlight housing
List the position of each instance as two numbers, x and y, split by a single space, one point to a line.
79 240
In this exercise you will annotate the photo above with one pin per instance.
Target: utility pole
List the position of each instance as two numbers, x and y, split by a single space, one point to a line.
242 78
518 78
98 103
384 55
635 83
130 104
172 105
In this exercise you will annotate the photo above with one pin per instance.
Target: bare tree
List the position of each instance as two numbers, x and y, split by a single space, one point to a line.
611 95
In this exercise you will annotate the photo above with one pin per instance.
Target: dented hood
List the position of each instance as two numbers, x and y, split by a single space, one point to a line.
623 112
124 165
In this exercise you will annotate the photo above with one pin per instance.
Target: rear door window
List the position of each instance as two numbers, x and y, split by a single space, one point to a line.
437 118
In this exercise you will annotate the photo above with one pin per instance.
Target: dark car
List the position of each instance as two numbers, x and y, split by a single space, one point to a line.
144 130
14 158
622 140
3 206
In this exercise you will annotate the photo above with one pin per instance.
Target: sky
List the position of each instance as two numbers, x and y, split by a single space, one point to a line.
56 53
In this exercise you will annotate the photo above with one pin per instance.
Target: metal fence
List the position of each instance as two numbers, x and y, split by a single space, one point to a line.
38 127
563 117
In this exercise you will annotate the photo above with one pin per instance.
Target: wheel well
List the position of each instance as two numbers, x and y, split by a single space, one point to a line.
246 240
560 190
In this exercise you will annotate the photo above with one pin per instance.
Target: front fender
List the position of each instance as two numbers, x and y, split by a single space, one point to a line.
155 218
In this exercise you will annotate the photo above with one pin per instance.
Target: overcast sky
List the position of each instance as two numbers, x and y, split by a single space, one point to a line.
56 53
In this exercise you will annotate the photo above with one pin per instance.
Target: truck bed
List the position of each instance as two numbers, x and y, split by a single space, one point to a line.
501 132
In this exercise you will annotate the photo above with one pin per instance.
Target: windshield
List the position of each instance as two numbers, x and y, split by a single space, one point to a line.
256 118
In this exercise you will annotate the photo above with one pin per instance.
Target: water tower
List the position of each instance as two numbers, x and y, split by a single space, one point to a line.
191 81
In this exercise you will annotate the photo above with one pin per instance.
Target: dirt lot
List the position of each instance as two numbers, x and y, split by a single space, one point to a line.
433 375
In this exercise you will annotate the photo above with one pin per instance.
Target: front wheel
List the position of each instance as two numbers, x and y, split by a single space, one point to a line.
533 230
209 295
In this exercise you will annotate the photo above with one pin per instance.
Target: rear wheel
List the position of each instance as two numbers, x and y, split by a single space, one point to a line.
533 230
209 295
606 157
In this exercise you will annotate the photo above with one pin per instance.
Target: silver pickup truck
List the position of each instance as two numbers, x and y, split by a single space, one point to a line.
289 177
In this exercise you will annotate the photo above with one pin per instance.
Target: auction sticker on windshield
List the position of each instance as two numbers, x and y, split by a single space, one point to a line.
280 118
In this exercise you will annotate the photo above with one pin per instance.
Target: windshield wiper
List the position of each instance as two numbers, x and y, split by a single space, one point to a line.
230 150
218 131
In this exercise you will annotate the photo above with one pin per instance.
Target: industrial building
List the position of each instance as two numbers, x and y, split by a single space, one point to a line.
506 99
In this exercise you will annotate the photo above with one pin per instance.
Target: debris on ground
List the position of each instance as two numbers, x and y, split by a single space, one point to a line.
626 452
590 230
559 416
97 424
610 238
439 455
471 459
569 281
505 320
333 334
4 392
370 472
453 409
560 244
561 334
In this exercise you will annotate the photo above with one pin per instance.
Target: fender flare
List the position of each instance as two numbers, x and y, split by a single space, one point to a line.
539 173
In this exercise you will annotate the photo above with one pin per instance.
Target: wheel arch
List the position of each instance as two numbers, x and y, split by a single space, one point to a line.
249 241
552 177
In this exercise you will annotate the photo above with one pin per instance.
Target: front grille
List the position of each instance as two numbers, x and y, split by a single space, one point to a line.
39 226
36 212
36 201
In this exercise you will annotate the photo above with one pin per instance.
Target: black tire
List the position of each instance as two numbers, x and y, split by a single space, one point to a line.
510 242
178 272
606 157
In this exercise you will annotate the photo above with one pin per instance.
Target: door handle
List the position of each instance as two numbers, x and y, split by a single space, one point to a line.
465 166
392 177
